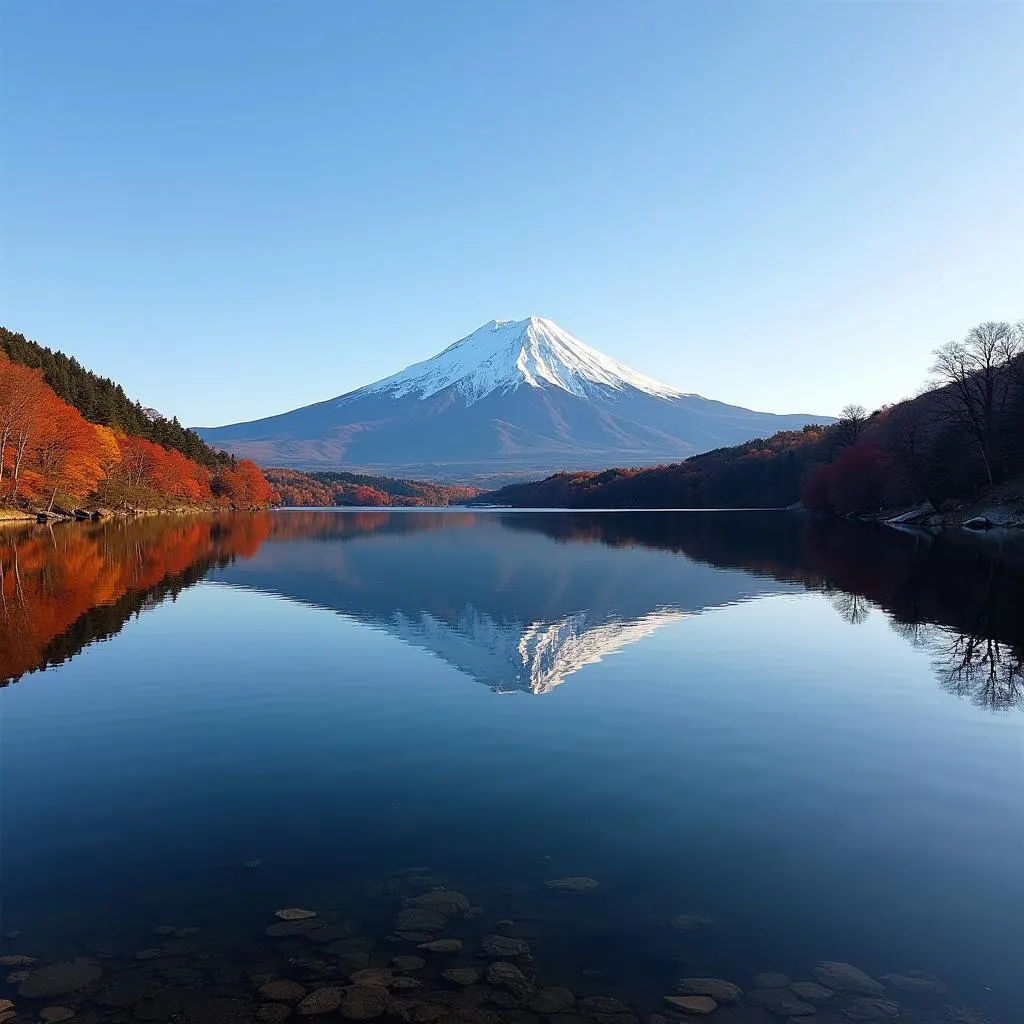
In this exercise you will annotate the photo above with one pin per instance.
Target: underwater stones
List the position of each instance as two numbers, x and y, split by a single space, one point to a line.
771 979
502 947
55 1014
573 883
405 964
290 929
273 1013
6 1005
408 936
16 960
781 1002
865 1009
441 901
149 954
322 1000
283 990
919 983
462 976
552 1000
60 978
811 991
295 914
363 1002
718 989
404 983
846 978
698 1005
509 977
442 946
692 922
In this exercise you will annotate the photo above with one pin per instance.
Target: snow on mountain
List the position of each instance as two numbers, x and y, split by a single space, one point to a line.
515 397
507 354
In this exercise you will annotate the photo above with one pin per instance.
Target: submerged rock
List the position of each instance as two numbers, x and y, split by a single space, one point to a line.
372 976
462 976
16 960
699 1005
502 947
960 1013
403 982
420 919
290 929
405 964
919 983
149 954
592 1005
323 1000
363 1002
295 914
284 990
781 1002
574 883
441 901
61 978
846 978
719 990
811 991
552 1000
871 1009
442 946
509 977
55 1014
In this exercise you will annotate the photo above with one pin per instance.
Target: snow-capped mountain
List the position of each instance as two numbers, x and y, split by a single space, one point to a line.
513 397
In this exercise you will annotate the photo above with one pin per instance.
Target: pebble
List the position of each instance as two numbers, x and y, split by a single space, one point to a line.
442 946
846 978
372 976
5 1005
719 990
404 982
771 979
442 901
295 914
405 964
464 976
363 1002
811 991
508 976
323 1000
503 947
284 990
574 883
55 1014
693 1004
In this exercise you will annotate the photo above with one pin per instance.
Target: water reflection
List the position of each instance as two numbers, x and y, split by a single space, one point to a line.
487 592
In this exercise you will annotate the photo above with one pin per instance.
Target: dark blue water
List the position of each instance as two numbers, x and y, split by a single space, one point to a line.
809 734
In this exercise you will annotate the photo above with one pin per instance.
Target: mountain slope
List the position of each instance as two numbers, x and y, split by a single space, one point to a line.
513 396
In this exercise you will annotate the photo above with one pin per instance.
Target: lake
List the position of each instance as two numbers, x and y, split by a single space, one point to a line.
770 741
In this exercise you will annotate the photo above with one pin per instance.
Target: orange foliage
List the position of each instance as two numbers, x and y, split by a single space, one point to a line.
64 586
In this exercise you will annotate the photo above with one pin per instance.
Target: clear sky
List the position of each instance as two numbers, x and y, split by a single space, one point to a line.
236 208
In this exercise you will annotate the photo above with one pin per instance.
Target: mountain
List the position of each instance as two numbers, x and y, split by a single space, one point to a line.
512 397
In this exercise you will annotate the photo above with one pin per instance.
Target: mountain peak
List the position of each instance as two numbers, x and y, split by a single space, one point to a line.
503 355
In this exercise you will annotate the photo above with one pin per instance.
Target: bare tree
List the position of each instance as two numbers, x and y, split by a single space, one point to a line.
850 425
975 386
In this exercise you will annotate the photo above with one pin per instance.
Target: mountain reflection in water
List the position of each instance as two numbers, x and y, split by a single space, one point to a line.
486 592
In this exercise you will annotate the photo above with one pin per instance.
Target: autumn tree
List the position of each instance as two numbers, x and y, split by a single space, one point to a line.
22 393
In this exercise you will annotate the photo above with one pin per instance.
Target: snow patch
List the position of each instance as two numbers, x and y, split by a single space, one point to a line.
507 354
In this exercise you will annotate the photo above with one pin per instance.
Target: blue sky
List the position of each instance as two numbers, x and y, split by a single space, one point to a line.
239 208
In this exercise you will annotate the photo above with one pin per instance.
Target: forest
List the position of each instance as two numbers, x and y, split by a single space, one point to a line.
962 434
297 489
84 442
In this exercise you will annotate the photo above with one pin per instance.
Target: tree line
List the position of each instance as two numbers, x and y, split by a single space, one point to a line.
963 433
52 455
321 489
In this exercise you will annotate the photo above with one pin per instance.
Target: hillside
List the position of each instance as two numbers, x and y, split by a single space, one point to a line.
297 489
70 438
962 435
512 398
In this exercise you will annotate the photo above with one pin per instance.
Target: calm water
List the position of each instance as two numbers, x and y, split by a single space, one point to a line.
808 734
